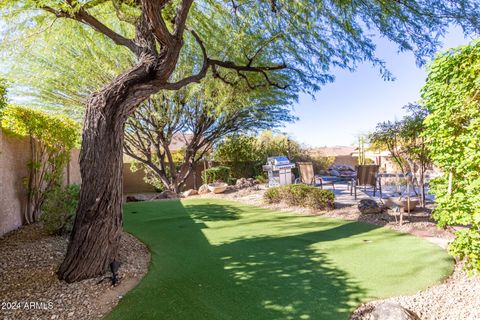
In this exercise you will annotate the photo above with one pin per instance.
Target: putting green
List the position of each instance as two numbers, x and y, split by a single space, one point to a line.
216 259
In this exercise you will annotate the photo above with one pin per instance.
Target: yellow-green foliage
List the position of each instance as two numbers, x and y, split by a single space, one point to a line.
3 95
51 139
55 132
452 95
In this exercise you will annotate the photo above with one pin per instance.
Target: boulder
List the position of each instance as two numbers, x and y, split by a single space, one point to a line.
203 189
392 311
190 192
159 196
167 194
369 206
170 194
134 198
244 183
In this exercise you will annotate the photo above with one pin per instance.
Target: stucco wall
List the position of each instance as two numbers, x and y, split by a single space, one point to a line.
133 181
14 156
71 174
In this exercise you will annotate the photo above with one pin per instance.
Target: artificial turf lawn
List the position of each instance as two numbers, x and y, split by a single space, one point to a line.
216 259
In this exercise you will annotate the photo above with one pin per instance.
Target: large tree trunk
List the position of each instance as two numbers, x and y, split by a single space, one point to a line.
96 235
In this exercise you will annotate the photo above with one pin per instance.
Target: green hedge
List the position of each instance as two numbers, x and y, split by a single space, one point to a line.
219 173
301 195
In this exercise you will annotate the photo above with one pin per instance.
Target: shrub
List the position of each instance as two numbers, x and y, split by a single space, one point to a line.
261 178
301 195
272 195
295 194
451 94
219 173
320 199
58 209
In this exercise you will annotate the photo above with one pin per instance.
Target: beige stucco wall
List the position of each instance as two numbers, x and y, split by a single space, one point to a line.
14 155
133 181
71 174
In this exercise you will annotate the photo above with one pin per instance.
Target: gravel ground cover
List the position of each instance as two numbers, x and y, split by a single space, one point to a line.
30 289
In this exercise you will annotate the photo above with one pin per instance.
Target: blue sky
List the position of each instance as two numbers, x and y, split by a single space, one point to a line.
357 101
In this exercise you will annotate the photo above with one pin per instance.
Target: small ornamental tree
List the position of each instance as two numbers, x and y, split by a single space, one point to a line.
405 141
414 146
452 95
51 140
387 136
199 117
286 44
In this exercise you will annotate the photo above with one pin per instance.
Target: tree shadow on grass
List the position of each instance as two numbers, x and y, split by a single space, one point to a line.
213 212
293 280
263 277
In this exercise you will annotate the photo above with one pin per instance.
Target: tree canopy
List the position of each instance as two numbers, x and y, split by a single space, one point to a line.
452 95
293 44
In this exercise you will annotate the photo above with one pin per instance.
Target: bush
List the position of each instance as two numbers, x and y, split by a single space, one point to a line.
219 173
261 178
272 195
295 194
58 209
320 199
301 195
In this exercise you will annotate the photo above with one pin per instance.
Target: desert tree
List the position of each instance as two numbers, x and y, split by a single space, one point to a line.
243 39
415 146
199 116
387 135
405 141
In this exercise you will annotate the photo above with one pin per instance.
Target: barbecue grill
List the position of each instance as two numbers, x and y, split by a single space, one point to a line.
279 171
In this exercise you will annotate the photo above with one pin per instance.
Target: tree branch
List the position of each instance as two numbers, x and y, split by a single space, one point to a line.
181 18
207 62
152 9
84 17
196 77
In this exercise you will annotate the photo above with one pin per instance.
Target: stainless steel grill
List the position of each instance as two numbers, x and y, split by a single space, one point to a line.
279 171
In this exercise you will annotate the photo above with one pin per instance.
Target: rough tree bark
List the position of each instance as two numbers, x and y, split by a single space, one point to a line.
97 229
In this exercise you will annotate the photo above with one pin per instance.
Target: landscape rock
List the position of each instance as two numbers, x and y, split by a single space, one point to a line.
392 311
167 194
159 196
190 192
135 198
203 189
369 206
245 183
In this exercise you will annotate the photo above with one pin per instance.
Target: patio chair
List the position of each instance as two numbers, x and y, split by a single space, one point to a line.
366 177
308 177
